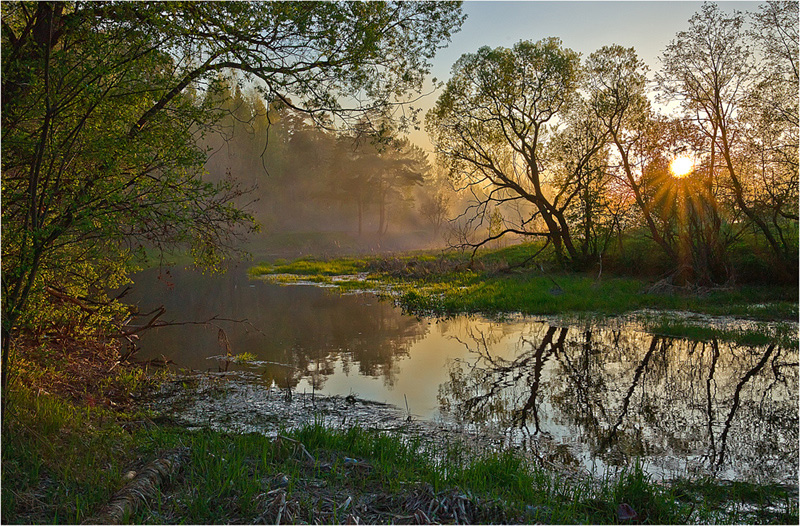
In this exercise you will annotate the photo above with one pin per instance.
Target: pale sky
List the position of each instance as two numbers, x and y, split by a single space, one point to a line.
648 26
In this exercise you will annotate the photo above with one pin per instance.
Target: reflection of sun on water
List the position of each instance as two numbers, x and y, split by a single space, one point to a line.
681 166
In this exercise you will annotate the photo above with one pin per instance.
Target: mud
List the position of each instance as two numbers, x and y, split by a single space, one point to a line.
240 402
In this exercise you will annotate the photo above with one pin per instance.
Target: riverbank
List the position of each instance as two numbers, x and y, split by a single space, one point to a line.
496 283
81 429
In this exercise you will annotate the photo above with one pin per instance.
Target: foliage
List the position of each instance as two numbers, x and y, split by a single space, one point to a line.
491 122
104 105
576 154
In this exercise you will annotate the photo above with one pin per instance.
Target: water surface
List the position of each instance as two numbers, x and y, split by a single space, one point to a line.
590 396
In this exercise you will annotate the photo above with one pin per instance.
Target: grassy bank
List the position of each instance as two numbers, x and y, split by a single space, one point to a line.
493 283
77 459
346 475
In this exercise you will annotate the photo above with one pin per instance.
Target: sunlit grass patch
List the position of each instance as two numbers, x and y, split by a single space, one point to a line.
495 283
311 267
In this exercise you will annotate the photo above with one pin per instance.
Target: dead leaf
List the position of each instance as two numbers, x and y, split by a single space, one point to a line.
626 513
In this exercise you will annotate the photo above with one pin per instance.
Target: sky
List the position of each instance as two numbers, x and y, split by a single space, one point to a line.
648 26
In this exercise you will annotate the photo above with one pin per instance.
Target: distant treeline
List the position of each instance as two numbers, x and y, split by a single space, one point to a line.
306 178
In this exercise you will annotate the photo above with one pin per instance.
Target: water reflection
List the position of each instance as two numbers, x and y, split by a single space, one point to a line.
591 396
304 332
601 397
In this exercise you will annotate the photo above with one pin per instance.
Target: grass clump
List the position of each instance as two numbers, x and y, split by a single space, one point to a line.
318 474
70 406
59 460
310 266
783 334
332 475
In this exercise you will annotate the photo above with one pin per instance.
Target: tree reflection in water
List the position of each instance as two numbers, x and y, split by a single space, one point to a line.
599 397
297 332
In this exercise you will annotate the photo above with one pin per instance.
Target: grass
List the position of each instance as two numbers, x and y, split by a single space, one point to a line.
65 432
61 466
312 267
426 283
355 473
59 460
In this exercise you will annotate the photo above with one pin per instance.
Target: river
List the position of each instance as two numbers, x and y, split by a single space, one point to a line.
592 395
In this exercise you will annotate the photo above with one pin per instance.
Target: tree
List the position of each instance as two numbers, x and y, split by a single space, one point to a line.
489 125
435 208
616 85
103 105
579 154
710 70
400 166
771 120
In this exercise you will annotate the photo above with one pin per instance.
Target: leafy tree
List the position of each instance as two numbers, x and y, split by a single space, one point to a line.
771 120
616 85
579 154
399 167
104 104
710 70
491 121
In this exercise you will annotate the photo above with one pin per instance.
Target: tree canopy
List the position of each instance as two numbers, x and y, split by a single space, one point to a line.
583 145
105 103
490 123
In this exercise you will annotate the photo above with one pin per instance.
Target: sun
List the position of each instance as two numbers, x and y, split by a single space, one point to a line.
681 166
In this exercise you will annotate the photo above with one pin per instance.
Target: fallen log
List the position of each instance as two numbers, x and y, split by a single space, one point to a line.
143 487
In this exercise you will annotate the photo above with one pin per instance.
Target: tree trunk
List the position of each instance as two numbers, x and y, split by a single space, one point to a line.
651 225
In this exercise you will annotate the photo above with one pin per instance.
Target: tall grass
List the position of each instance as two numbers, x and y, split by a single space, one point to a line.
62 463
233 478
59 461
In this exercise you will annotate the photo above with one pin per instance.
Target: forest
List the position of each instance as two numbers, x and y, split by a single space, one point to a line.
537 142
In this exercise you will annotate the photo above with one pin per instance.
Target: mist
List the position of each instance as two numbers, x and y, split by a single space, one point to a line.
314 191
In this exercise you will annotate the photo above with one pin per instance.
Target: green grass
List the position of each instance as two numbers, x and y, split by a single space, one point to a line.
62 463
741 502
232 478
59 461
312 267
447 284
